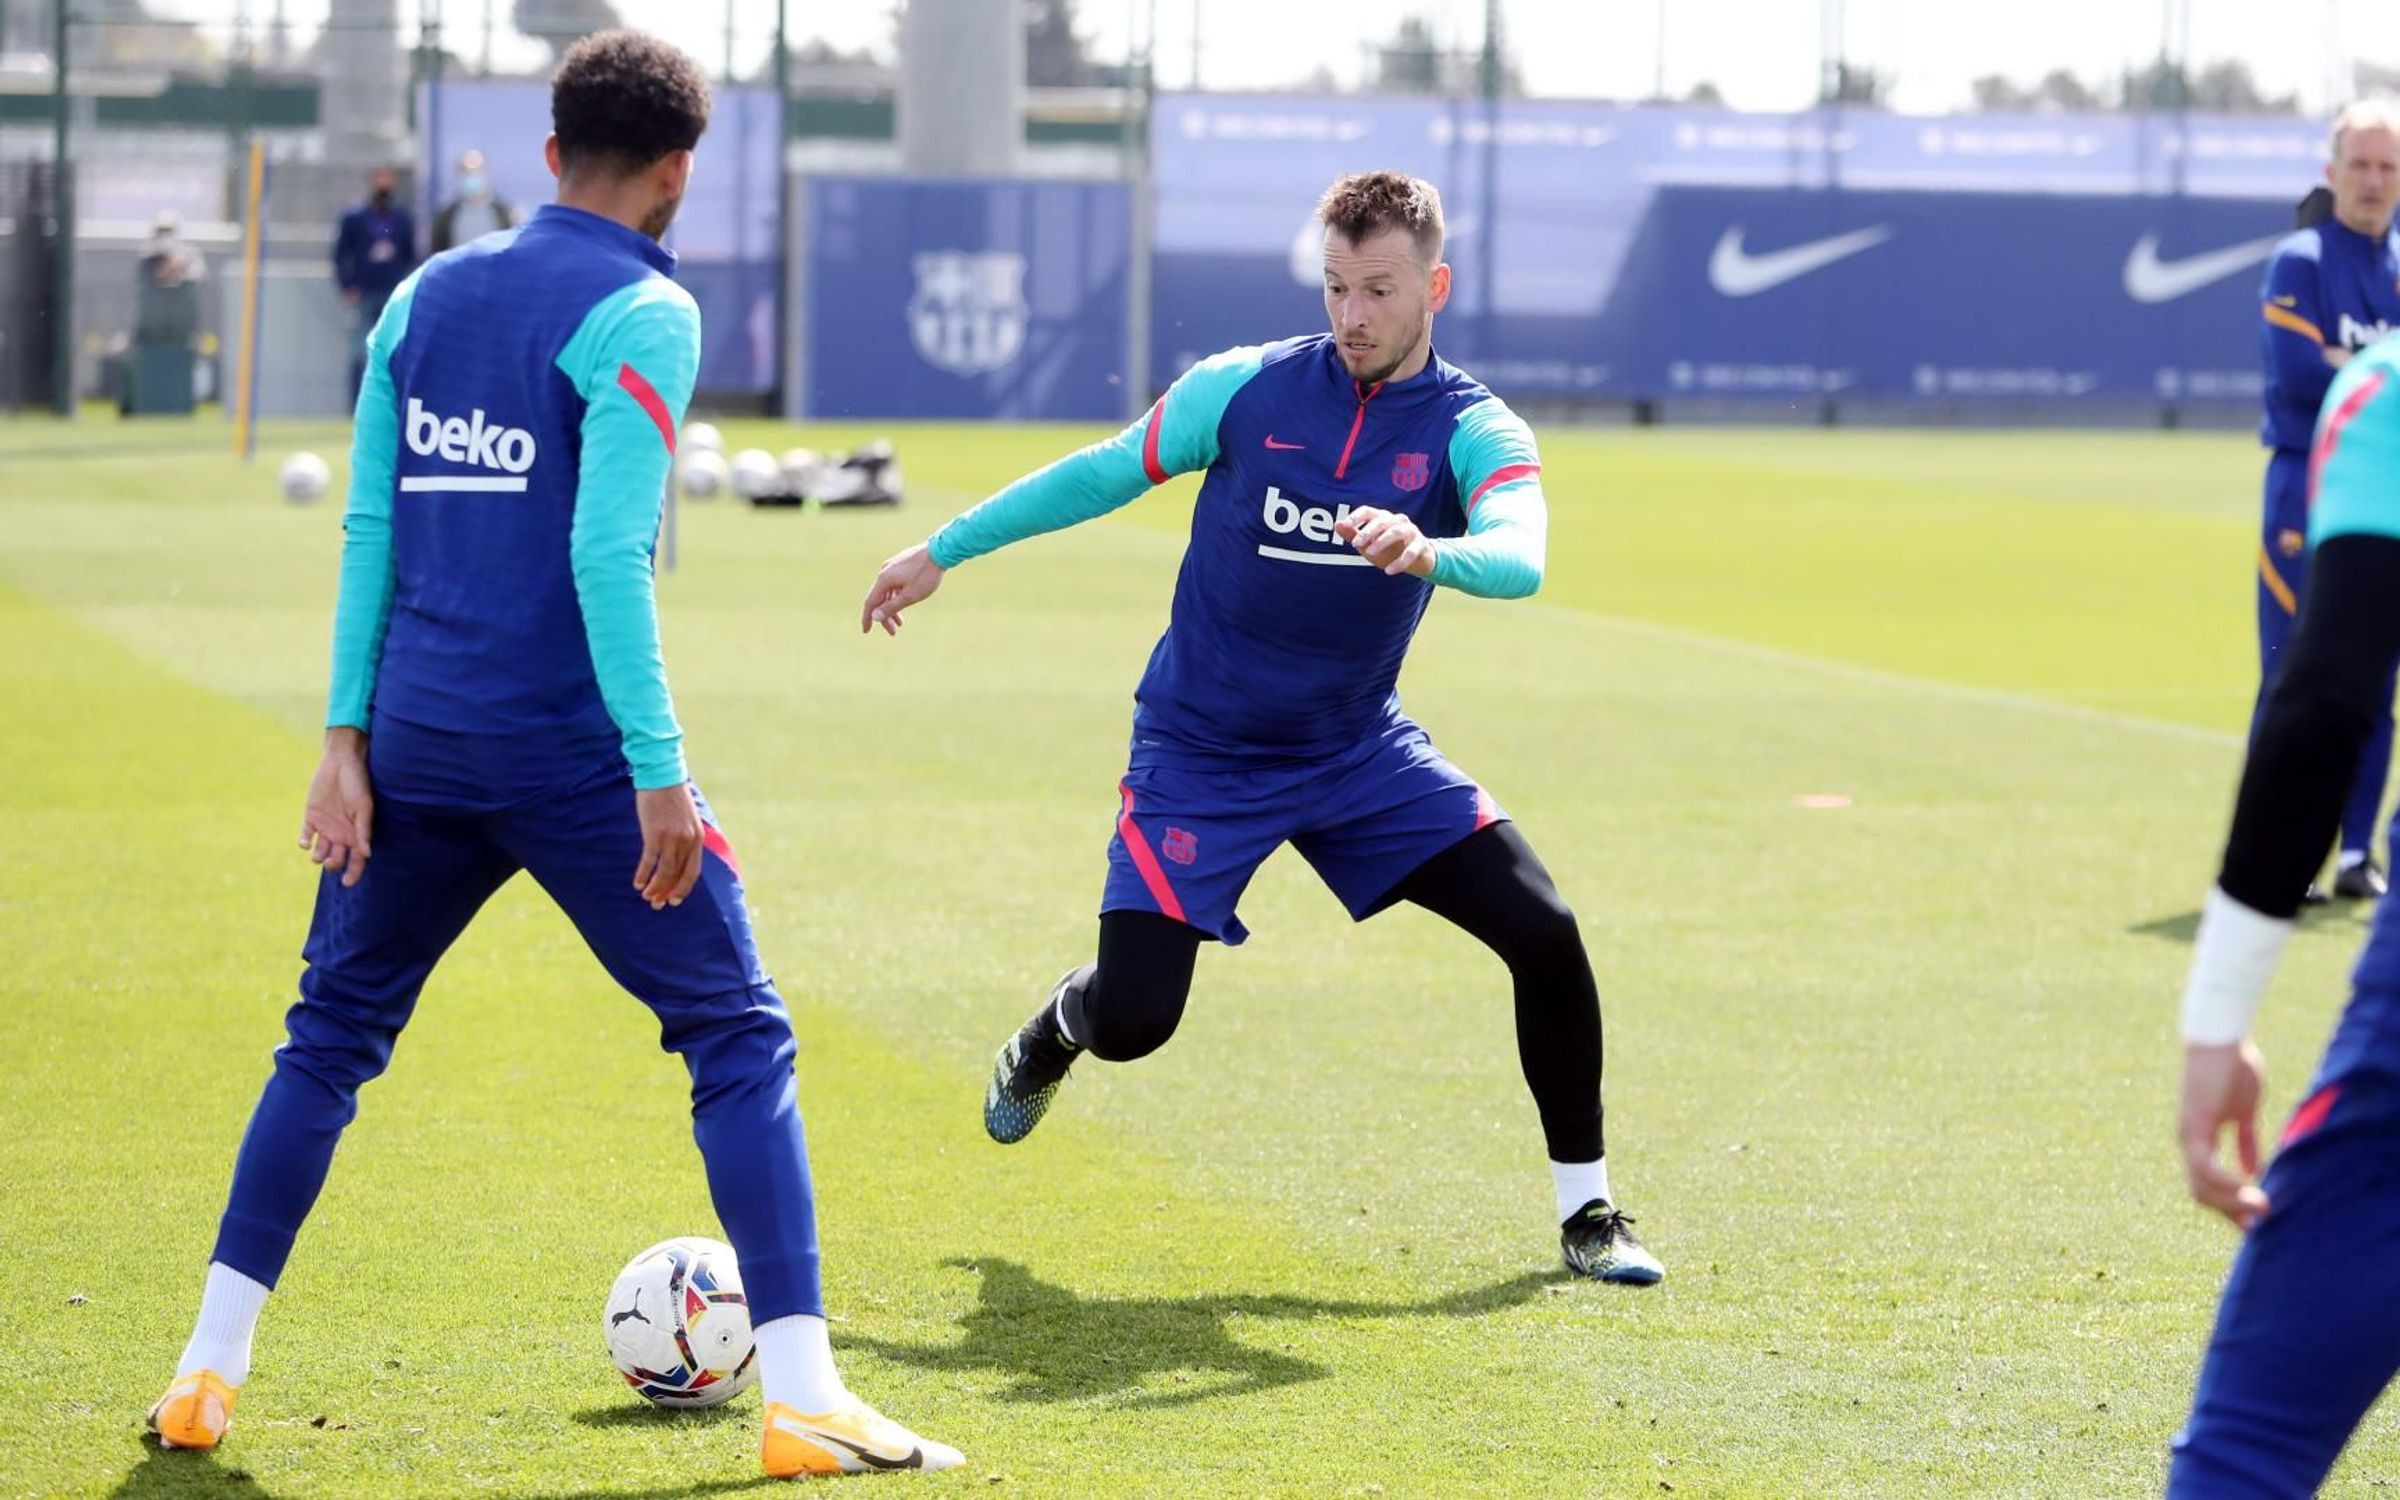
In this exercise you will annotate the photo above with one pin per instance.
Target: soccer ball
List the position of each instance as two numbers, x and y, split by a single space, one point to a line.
305 477
702 437
678 1326
801 468
756 473
705 475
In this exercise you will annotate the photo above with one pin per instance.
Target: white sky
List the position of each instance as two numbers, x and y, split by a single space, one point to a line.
1761 54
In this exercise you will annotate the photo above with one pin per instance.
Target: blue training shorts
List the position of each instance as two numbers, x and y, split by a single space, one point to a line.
1188 840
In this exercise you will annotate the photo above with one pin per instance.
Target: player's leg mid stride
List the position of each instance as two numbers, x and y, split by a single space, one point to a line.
1490 884
1029 1070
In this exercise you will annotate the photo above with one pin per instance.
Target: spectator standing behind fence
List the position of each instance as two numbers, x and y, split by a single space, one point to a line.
373 252
475 212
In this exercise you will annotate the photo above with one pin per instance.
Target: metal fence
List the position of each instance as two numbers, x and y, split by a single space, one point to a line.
150 106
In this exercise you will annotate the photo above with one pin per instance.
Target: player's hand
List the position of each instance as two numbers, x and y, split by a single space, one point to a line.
2221 1088
2337 357
1387 539
671 845
339 822
906 579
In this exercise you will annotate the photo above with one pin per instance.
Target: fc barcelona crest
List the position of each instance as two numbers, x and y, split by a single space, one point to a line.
1180 845
969 314
1410 471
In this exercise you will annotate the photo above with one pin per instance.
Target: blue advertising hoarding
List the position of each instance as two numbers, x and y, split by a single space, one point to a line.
999 300
727 235
1964 259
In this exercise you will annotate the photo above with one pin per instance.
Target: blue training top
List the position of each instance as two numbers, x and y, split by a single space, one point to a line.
497 630
1285 643
2329 287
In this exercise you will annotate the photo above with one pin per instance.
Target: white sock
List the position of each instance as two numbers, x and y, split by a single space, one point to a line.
1578 1183
795 1365
221 1336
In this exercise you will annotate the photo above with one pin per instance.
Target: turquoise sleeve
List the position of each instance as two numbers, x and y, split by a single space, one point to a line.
2358 450
362 608
1508 525
633 360
1178 436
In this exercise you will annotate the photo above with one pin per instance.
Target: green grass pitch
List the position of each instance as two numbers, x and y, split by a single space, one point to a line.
1889 1083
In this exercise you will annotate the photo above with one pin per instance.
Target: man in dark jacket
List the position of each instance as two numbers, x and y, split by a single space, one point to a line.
373 252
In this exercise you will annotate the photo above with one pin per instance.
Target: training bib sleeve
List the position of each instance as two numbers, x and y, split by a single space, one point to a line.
1508 523
1178 436
634 361
362 609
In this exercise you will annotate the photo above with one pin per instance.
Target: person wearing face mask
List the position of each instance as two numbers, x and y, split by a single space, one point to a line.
373 252
476 211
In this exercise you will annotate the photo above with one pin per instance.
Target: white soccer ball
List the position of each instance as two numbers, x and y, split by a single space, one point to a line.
305 477
704 473
702 437
756 473
678 1326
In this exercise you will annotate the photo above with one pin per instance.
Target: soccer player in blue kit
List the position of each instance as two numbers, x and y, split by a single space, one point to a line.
2331 290
1348 475
499 703
2308 1332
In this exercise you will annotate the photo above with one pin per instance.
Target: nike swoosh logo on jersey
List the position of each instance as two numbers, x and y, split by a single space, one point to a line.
1735 272
2150 280
914 1460
1277 447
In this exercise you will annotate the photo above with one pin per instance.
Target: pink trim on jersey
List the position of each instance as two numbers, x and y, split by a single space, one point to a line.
2310 1115
1487 812
1150 464
2331 439
647 394
1144 861
712 838
1500 477
1366 393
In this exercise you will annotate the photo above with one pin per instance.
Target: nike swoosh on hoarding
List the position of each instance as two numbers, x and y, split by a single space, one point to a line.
2149 279
1735 272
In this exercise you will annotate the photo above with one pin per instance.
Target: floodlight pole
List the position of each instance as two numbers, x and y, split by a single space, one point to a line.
1487 272
62 205
781 399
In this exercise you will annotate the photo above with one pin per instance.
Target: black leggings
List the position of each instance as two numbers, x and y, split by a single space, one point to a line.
1490 883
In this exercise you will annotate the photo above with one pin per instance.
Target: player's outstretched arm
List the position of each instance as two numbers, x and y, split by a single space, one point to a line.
1177 436
905 578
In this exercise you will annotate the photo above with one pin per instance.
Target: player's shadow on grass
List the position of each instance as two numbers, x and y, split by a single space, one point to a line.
634 1412
163 1471
1061 1347
2185 926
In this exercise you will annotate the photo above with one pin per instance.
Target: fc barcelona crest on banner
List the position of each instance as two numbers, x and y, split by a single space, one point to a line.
1410 471
968 316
